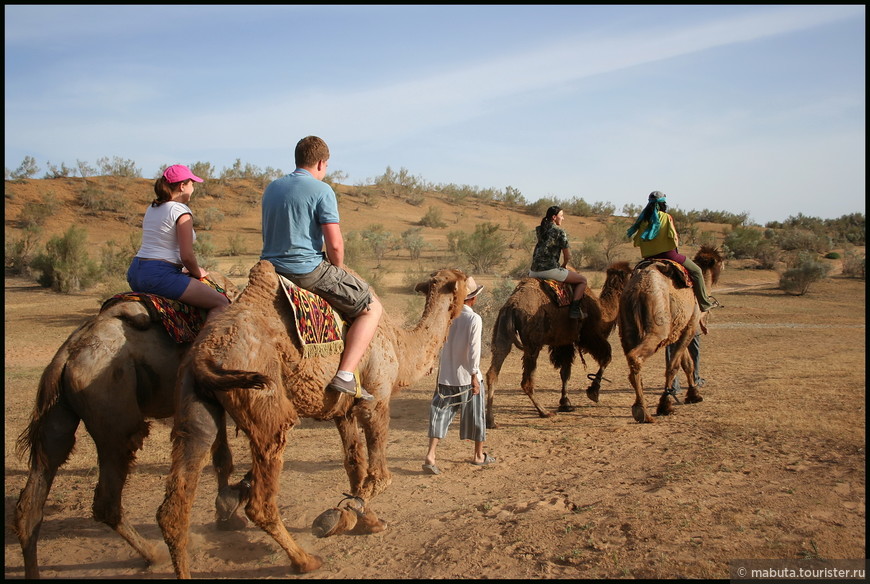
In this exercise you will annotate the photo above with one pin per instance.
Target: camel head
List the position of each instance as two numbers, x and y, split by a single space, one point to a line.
710 259
445 281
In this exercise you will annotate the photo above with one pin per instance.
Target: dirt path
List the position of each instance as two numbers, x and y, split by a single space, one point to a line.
770 465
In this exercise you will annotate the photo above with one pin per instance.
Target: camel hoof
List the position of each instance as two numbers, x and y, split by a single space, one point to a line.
592 393
313 563
665 407
693 399
228 507
234 522
333 521
640 415
566 407
491 425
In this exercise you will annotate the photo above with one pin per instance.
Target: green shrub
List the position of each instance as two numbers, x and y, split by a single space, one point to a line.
20 251
743 243
853 264
208 218
34 213
484 250
832 255
236 245
797 280
96 200
432 218
65 265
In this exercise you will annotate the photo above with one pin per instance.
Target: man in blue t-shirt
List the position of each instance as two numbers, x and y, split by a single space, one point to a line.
300 216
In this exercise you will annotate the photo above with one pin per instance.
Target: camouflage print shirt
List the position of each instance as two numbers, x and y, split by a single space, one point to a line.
548 250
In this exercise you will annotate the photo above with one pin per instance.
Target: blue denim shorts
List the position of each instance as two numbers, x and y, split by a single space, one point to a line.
157 277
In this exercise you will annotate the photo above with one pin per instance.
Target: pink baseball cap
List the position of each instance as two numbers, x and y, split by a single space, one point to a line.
178 173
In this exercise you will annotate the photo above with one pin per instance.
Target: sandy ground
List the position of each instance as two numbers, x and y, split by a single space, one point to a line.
770 465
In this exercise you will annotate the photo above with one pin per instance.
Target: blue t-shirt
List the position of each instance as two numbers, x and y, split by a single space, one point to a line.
294 208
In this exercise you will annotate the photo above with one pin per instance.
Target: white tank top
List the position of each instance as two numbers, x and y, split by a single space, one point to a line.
159 232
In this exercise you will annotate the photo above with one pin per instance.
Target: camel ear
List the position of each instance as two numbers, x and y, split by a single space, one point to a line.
422 287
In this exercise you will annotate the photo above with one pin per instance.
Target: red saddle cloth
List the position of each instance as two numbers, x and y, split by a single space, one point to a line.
677 269
559 292
319 327
182 321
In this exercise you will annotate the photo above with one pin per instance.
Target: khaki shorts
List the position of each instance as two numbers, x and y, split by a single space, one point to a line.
345 292
558 274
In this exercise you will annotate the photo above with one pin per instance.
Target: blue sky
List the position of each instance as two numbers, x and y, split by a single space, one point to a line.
747 108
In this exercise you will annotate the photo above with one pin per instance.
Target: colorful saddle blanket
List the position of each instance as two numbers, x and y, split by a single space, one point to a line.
182 321
560 292
678 270
319 327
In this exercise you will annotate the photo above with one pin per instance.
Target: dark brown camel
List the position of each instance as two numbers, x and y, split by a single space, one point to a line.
246 364
114 373
530 320
655 312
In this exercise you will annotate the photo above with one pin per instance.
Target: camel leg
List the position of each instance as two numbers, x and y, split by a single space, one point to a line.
355 456
230 498
50 450
116 450
267 455
498 357
375 421
676 360
193 434
563 358
530 363
602 353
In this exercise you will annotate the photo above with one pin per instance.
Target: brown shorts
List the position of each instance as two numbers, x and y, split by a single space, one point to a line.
345 292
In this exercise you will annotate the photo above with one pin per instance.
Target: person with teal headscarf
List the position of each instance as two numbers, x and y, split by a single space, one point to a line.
656 235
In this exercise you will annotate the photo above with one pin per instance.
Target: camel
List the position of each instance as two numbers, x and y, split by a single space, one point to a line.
653 313
115 373
246 364
530 320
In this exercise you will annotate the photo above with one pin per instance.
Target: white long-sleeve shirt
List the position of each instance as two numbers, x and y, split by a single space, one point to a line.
460 355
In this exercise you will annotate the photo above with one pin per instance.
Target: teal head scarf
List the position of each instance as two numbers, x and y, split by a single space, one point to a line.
650 214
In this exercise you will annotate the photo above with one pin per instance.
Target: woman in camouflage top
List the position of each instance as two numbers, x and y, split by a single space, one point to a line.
553 244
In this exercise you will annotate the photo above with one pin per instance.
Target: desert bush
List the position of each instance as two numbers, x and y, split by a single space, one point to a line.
484 249
35 213
65 266
354 249
512 196
118 166
204 249
806 271
767 255
379 241
413 242
853 264
743 242
236 245
208 219
95 200
20 251
631 210
203 170
54 172
832 255
85 169
432 218
27 169
799 239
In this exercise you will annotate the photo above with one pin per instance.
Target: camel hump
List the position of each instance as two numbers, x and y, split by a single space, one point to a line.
676 271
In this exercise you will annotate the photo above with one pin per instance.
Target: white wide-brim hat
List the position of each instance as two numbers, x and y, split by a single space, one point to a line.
470 284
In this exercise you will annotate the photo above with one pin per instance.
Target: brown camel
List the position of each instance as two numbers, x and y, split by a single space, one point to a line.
655 312
114 373
246 364
530 320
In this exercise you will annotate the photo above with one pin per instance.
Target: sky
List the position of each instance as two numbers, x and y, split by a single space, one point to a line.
756 109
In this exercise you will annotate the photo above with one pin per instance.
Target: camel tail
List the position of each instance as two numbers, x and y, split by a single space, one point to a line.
504 333
49 408
212 377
